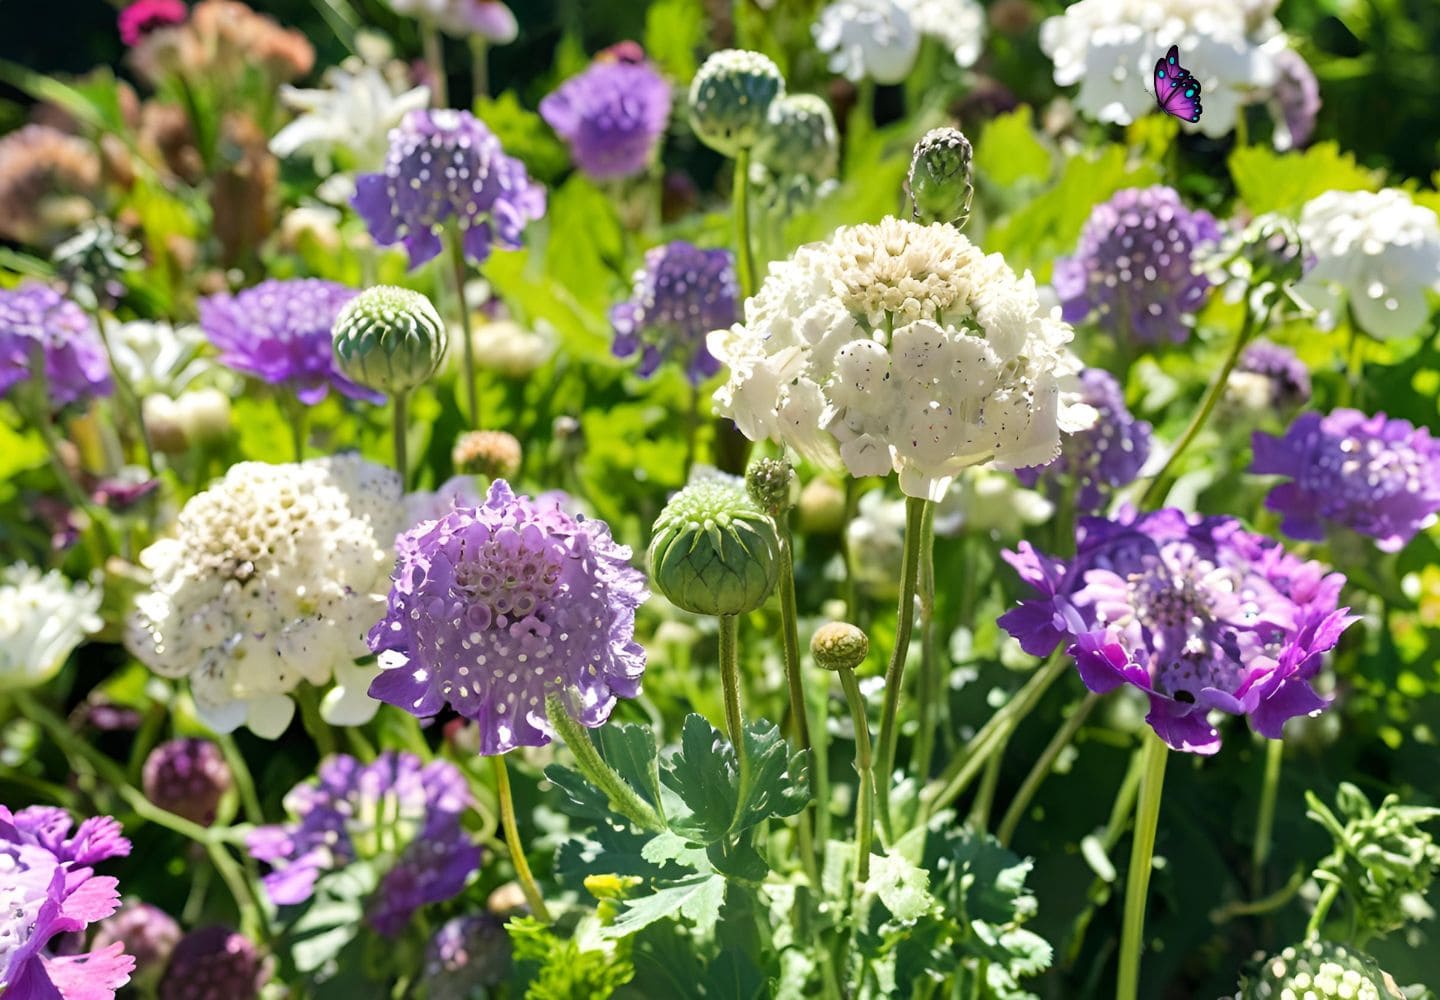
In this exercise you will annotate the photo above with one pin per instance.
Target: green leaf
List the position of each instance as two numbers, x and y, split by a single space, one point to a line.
1009 150
697 899
1267 181
549 967
608 850
674 32
983 880
524 134
332 917
902 887
585 801
630 750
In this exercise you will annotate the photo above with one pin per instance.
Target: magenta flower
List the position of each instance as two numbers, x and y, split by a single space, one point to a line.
1197 612
188 777
611 116
445 168
1135 269
1376 476
280 332
493 607
48 889
37 322
681 294
397 812
145 16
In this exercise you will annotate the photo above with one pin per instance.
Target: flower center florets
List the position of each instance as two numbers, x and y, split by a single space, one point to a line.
511 576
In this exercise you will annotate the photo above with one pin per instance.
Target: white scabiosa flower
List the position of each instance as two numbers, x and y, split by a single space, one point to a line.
901 347
43 617
959 25
1109 47
157 357
987 501
1378 251
873 39
273 577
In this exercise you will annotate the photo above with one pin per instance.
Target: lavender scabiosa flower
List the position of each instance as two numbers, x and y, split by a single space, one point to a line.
279 332
495 606
611 116
397 812
1196 612
1377 476
1103 458
146 933
680 295
188 777
214 963
36 321
445 168
1294 100
1135 269
1284 376
48 888
465 955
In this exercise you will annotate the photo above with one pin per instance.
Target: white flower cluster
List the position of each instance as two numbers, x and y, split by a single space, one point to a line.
900 346
1379 250
959 25
880 39
1110 47
43 617
273 577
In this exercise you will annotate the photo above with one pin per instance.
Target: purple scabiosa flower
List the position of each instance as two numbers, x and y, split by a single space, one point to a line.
35 319
1103 458
188 777
1196 612
611 116
1287 378
493 607
1295 100
48 889
146 933
1135 268
467 954
280 332
214 963
1374 475
445 168
680 295
399 813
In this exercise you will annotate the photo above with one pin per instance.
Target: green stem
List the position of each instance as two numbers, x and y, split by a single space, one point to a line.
865 772
320 731
297 412
1265 816
1242 129
244 782
1354 383
985 795
1154 491
1043 766
1137 879
512 841
479 68
741 194
458 272
915 519
795 682
692 429
433 47
730 688
247 901
931 707
1322 910
399 429
126 391
623 799
1122 810
1258 907
852 503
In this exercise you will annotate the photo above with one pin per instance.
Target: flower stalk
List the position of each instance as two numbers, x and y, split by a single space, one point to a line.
1142 854
864 770
915 543
623 799
523 875
1265 816
1043 765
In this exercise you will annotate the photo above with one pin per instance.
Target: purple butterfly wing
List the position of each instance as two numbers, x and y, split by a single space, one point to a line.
1176 91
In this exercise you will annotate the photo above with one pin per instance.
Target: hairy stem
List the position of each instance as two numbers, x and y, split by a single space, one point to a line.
523 875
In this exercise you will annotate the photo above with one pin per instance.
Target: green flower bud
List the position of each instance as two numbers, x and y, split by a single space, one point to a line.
768 481
495 454
389 339
940 181
799 138
1320 970
730 98
714 551
822 507
839 646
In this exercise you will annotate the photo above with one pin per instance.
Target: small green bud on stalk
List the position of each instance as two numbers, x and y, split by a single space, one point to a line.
714 551
730 98
389 339
940 180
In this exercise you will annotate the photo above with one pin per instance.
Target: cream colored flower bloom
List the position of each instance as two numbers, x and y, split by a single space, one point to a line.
872 39
43 617
959 25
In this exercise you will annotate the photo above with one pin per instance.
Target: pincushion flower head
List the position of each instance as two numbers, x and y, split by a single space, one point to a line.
1137 269
271 578
1109 47
868 39
1282 380
1102 458
958 25
1196 612
48 888
38 325
494 607
43 617
279 332
446 169
730 98
215 963
1378 252
680 295
1377 476
397 813
901 347
611 116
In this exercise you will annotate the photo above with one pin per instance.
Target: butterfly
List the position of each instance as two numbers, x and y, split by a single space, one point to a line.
1176 91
